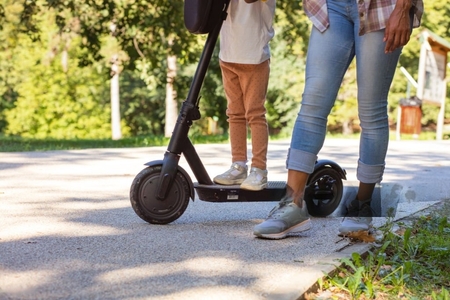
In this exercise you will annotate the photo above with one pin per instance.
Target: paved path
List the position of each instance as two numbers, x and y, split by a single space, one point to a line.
67 230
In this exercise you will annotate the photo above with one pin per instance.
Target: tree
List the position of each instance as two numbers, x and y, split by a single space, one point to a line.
9 75
51 97
61 105
144 30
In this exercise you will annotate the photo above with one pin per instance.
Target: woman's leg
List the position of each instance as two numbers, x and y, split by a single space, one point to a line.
329 55
375 71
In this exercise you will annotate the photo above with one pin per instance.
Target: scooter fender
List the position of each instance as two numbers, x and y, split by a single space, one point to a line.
325 163
185 174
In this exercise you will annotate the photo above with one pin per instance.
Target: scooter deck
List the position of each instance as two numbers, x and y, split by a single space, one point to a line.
233 193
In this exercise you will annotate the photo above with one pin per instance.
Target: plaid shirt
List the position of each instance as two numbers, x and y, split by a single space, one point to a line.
373 13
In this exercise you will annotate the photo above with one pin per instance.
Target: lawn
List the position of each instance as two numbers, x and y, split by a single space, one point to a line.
19 144
412 261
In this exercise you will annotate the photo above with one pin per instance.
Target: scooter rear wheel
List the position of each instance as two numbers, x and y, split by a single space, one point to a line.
323 192
151 209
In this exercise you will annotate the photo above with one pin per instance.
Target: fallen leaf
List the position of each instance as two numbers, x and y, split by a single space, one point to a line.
362 235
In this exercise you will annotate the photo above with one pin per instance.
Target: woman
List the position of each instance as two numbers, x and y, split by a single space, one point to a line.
373 32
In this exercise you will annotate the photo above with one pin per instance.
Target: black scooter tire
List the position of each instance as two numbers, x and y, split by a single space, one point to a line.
156 211
323 192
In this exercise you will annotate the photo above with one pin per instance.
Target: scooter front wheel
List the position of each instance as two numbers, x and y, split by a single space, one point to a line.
148 207
323 192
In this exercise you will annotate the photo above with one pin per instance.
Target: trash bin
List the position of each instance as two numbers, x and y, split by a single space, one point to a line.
411 115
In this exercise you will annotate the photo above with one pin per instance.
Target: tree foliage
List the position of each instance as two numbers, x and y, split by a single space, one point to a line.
42 97
56 104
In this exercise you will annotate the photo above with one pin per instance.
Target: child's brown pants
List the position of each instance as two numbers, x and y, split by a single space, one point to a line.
246 88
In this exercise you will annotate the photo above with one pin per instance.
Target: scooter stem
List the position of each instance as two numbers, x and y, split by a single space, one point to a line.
179 140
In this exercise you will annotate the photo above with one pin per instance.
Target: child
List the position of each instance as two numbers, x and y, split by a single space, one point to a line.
245 64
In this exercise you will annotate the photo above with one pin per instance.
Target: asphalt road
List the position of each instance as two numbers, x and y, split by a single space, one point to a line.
67 229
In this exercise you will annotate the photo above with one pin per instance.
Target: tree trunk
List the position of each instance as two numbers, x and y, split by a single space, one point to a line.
65 56
347 127
171 96
115 102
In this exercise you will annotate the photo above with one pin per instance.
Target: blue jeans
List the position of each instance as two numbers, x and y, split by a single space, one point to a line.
329 56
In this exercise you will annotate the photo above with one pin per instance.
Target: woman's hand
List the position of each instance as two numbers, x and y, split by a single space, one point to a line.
398 27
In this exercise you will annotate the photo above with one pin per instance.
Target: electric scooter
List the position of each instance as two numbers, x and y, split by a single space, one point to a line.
160 193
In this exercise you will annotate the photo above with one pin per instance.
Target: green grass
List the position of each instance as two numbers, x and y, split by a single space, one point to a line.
411 262
19 144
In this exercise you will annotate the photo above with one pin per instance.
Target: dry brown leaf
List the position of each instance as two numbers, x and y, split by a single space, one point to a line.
362 235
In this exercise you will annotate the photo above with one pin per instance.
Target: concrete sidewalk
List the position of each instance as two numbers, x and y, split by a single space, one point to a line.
67 229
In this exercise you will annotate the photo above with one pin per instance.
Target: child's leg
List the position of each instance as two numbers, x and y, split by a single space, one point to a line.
235 111
254 80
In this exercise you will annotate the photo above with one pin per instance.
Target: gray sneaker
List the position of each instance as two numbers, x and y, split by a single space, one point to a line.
359 217
256 181
285 218
235 175
353 224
